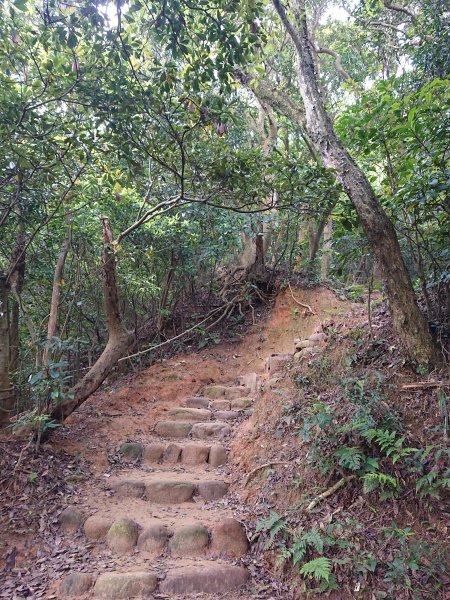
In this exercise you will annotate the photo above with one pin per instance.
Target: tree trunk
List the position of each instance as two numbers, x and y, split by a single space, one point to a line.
409 323
119 339
16 278
326 252
56 291
6 392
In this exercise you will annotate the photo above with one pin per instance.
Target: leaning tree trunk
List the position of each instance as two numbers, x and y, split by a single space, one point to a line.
6 391
56 290
409 323
119 339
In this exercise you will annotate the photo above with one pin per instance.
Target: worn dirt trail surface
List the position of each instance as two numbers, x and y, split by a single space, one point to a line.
161 512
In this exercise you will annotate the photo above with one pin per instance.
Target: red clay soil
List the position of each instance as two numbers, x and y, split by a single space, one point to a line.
128 410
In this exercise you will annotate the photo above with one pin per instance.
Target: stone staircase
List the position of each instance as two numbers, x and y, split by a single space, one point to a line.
165 516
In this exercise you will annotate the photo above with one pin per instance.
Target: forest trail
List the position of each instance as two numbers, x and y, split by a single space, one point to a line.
161 514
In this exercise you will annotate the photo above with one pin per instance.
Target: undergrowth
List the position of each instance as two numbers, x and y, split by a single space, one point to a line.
379 541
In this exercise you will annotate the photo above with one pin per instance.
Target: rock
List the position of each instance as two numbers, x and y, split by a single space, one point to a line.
169 492
175 429
129 488
241 403
194 454
215 429
131 450
154 538
70 519
277 362
318 339
212 490
308 353
300 344
250 380
96 527
183 413
228 539
227 415
217 455
197 402
214 391
122 535
222 391
76 584
153 453
118 586
220 405
172 453
211 579
190 540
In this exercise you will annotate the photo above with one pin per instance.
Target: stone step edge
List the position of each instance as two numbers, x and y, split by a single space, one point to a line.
211 579
170 491
189 454
225 538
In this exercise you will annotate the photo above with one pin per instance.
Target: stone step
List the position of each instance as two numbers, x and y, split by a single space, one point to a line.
200 431
220 404
203 577
167 487
223 538
222 391
173 453
183 413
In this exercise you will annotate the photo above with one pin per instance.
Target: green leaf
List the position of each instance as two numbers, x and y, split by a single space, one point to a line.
319 568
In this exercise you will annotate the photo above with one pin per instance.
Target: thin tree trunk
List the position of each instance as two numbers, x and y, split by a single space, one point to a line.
119 339
326 253
409 323
16 278
6 391
56 291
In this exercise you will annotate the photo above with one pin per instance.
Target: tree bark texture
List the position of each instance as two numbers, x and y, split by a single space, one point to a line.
409 323
56 290
119 339
7 399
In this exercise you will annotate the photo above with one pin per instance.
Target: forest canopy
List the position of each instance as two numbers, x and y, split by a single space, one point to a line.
162 161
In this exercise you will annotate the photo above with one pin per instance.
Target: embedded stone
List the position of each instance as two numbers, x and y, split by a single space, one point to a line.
197 402
213 579
276 362
301 344
118 586
220 405
129 488
122 535
131 450
212 490
175 429
229 539
153 453
70 519
194 454
172 453
221 391
217 455
241 403
215 429
183 413
308 352
189 541
96 527
169 492
318 339
227 415
154 538
76 584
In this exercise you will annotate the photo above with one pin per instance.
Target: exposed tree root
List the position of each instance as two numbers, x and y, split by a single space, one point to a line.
300 303
261 467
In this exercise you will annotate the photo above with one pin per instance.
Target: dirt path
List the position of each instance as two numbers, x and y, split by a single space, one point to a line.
161 515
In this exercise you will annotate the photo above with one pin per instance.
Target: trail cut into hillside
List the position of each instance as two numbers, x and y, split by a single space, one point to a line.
156 489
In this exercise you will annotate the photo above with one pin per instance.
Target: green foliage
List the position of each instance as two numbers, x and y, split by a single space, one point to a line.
319 568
